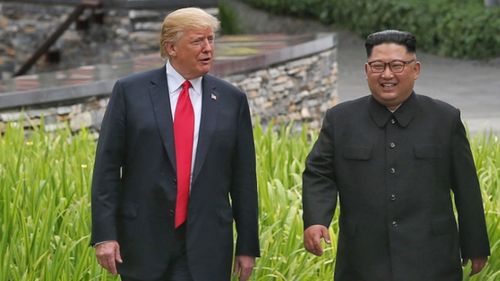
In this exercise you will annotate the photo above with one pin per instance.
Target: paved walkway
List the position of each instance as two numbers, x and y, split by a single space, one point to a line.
473 87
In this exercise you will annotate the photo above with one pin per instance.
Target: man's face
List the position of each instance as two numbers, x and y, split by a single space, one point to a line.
192 55
389 87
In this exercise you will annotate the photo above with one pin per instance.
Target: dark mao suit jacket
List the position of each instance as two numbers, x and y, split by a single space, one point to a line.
134 182
393 174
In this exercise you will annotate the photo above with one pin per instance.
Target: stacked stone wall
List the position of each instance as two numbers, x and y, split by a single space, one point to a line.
295 91
298 90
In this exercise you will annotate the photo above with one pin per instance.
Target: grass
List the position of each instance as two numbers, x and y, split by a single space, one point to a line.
45 209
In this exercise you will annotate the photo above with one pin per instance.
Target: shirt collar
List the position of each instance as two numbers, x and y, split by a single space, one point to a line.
175 80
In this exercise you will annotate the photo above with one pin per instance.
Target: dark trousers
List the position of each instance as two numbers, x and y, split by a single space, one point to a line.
178 269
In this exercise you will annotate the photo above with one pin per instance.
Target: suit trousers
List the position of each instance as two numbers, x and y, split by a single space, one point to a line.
178 269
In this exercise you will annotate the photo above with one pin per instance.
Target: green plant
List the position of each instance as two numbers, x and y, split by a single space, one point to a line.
228 19
45 207
461 29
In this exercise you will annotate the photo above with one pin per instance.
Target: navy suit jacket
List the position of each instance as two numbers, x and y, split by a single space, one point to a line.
134 180
393 174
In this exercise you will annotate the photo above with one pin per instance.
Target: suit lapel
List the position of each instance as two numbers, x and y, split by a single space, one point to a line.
207 123
160 100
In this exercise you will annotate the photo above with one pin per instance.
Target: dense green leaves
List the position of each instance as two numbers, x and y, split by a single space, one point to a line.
44 206
229 23
461 29
45 209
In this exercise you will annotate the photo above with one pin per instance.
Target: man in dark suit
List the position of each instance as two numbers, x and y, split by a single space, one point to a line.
175 164
392 158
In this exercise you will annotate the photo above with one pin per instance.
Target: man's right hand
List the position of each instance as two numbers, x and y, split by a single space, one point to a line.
312 238
108 253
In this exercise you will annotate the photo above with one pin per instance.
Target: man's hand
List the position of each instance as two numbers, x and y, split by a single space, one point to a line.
108 253
477 264
243 266
312 238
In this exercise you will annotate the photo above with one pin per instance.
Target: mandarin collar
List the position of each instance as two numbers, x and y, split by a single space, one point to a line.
403 115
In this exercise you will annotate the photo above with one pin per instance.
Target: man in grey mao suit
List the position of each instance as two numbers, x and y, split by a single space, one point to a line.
392 159
135 229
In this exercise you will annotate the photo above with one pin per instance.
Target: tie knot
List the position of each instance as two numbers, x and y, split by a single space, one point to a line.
186 85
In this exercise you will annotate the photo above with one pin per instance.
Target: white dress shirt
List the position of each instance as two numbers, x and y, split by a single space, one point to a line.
175 81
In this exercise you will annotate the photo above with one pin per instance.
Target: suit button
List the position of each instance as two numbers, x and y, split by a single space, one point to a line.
174 181
393 197
394 224
392 145
171 212
393 121
392 170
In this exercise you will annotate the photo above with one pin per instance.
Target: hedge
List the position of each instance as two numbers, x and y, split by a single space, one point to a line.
460 29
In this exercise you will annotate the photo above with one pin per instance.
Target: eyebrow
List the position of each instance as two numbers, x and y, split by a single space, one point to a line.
402 60
196 37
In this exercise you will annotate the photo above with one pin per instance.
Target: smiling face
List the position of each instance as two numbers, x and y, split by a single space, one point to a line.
389 88
192 54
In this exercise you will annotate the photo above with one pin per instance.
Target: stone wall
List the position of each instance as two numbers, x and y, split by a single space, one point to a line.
296 85
299 90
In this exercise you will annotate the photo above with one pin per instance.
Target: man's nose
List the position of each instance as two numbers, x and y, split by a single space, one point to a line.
207 45
387 72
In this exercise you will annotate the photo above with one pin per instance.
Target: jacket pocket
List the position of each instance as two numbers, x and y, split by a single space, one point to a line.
357 152
443 226
428 151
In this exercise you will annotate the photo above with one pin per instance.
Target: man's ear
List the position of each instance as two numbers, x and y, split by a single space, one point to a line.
171 49
366 70
416 69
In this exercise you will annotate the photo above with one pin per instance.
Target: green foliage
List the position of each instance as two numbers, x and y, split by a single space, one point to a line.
280 162
45 207
486 151
461 29
228 19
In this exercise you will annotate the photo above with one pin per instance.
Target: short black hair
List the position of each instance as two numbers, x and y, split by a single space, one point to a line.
403 38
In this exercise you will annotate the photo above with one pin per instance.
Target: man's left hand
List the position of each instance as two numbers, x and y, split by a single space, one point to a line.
243 266
477 264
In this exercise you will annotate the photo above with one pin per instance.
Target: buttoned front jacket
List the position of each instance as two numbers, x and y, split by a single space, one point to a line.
134 183
395 175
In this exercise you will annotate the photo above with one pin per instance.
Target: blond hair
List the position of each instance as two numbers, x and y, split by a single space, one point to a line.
179 21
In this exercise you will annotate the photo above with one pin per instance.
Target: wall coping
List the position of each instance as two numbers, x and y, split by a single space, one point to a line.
98 80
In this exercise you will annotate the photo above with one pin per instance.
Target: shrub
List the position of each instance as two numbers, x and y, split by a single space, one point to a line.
457 29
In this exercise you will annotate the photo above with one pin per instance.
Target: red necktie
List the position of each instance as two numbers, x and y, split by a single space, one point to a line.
183 135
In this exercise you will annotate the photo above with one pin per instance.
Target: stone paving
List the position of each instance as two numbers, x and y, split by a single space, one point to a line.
233 54
471 86
123 35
